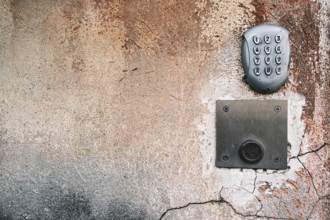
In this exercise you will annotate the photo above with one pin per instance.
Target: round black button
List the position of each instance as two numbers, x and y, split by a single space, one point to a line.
251 151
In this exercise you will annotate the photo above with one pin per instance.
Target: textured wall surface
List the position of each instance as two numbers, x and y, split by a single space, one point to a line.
107 110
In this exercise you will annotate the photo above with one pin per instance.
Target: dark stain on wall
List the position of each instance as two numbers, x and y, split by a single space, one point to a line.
71 206
58 203
124 211
52 203
4 215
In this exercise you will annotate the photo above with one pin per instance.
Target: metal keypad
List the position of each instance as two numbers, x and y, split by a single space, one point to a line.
268 49
266 64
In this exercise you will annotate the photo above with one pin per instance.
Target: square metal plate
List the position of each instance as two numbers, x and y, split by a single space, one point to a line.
260 122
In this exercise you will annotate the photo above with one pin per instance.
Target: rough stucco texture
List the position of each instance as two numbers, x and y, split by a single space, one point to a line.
107 110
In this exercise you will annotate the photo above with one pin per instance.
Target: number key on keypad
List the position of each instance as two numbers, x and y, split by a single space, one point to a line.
267 39
278 59
256 50
278 70
268 70
268 49
256 39
257 60
278 49
278 38
256 71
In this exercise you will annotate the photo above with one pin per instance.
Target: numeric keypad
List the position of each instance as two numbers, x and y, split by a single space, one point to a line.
266 64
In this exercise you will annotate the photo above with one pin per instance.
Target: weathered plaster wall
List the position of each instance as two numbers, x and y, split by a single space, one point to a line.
107 110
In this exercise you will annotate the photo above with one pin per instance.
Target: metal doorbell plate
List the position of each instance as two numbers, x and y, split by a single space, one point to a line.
251 134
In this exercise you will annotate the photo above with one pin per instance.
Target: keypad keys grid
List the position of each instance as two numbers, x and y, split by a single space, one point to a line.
268 49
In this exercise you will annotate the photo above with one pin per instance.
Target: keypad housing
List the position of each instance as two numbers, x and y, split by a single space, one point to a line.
266 57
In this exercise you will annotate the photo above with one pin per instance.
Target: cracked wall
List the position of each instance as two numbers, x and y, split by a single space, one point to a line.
107 110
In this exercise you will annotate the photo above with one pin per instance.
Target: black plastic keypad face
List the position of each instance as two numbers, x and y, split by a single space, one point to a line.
266 57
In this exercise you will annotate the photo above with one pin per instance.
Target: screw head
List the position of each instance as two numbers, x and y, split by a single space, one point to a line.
277 159
225 157
277 109
225 108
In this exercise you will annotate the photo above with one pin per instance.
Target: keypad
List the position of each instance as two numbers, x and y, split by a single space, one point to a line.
266 57
267 43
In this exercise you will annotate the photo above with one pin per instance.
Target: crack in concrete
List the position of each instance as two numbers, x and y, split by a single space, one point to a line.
254 183
261 206
310 175
279 207
219 201
309 152
320 198
223 201
310 214
189 204
302 139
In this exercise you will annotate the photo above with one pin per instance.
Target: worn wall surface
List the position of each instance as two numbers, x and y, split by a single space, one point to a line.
107 110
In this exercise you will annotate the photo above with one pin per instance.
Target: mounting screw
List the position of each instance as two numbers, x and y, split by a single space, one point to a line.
277 109
225 157
225 108
277 159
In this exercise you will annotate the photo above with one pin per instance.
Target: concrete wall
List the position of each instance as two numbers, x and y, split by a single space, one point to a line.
107 110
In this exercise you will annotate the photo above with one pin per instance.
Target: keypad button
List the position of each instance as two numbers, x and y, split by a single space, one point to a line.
268 70
278 49
278 70
256 50
267 60
268 49
256 39
278 59
257 60
267 39
278 38
257 71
